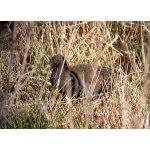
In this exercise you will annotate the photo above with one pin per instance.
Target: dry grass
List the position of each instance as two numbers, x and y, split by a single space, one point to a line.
30 102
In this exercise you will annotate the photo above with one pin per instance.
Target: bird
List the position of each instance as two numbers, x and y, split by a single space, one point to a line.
66 80
73 80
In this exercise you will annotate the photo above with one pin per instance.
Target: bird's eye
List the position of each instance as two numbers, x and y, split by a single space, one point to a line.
54 62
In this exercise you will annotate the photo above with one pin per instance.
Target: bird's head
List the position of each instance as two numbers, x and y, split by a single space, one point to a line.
58 61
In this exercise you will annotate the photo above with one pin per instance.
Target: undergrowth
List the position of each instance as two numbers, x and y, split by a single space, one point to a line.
37 105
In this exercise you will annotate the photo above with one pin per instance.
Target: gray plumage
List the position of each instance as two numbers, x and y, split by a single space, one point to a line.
75 79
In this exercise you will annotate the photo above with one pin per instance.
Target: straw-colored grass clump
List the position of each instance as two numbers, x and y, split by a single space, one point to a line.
30 102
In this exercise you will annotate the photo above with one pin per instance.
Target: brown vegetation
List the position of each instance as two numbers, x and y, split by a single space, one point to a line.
27 99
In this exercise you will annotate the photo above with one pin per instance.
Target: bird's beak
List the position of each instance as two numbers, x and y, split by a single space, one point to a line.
48 67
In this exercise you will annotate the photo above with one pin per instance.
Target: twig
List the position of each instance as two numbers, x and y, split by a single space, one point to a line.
143 52
17 87
148 55
6 94
11 58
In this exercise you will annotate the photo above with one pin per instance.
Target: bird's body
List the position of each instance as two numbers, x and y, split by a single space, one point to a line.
72 79
92 75
67 82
